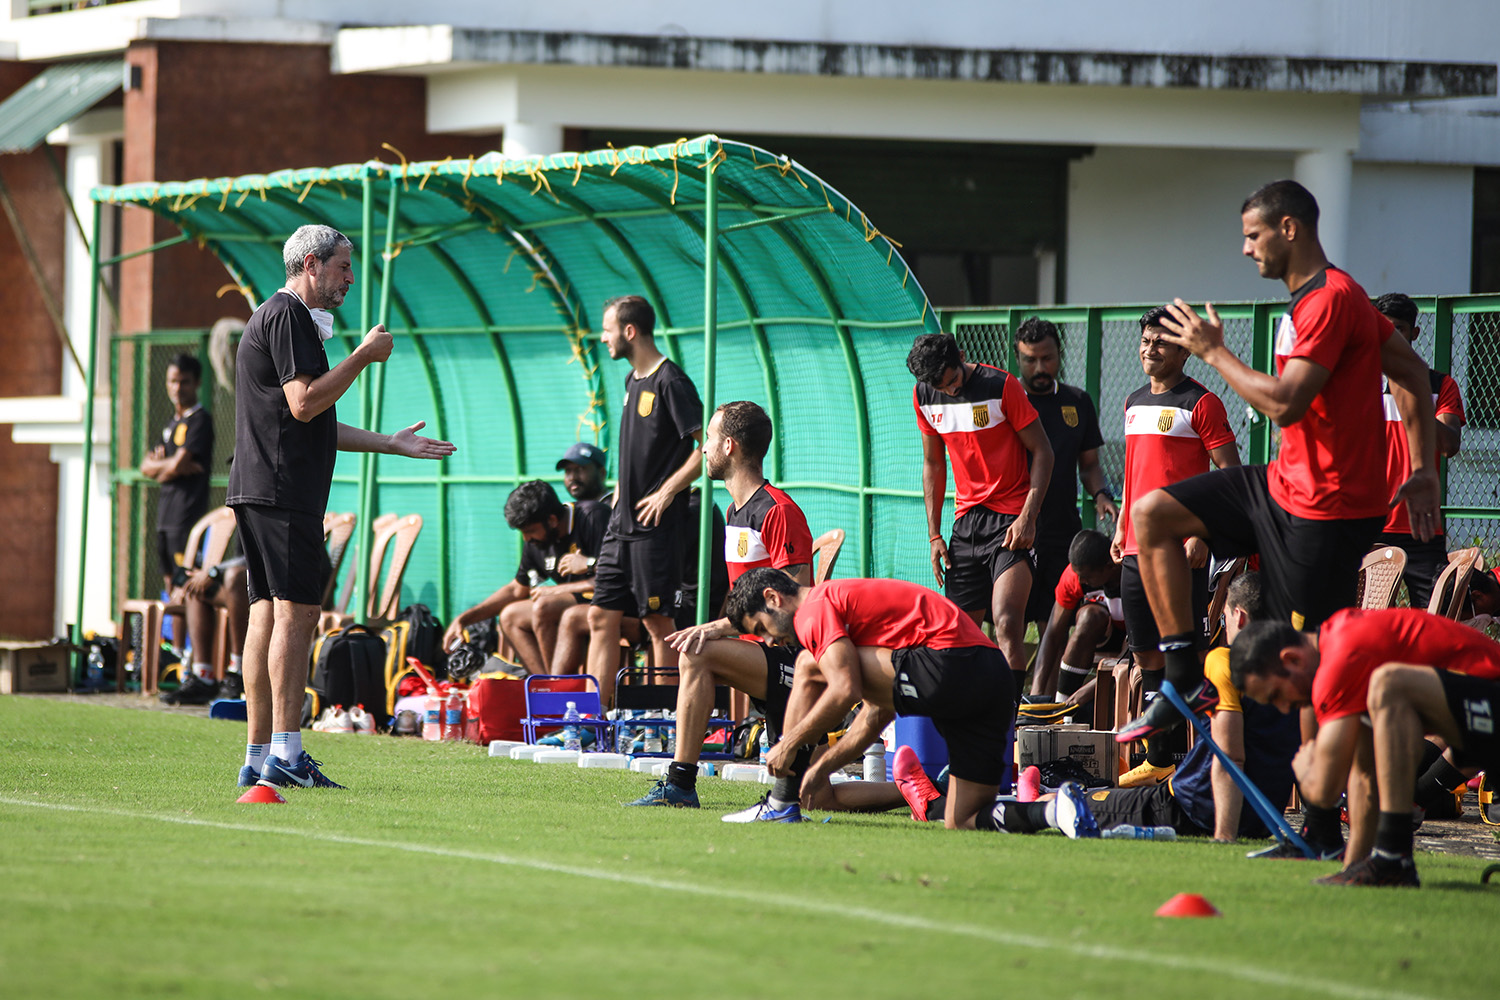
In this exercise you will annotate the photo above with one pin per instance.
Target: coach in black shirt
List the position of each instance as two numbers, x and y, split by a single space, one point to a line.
285 437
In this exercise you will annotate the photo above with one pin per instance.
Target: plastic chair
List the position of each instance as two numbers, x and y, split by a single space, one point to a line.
385 604
1379 576
338 529
1454 580
635 691
341 609
207 544
545 707
825 552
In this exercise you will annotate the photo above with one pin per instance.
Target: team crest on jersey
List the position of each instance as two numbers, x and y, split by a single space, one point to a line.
179 436
744 546
653 603
1164 419
644 404
981 415
1070 415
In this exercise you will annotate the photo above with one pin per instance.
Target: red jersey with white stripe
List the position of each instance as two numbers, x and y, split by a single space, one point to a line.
1353 644
1445 399
978 427
1332 463
890 613
1168 436
1071 595
769 530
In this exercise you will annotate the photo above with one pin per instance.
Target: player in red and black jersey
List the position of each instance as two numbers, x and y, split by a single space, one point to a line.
892 647
639 572
1424 559
1377 681
1314 511
764 528
980 417
1173 428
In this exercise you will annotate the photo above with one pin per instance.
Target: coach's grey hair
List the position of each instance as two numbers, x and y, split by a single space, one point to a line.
320 241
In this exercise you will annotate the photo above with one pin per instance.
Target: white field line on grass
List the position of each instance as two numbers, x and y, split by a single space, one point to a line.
1136 956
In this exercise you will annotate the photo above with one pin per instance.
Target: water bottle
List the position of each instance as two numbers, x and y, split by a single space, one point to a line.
875 761
432 716
653 735
453 715
765 744
1126 832
625 733
95 675
570 737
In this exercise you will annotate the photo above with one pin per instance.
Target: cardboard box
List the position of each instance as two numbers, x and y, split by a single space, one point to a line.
1094 750
34 666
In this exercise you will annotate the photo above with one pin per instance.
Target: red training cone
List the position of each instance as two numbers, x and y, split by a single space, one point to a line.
263 794
1187 904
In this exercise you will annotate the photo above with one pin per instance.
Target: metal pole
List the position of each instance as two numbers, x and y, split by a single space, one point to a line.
366 461
1093 377
710 347
88 440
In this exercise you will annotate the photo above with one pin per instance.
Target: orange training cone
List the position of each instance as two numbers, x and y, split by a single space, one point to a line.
1187 904
261 794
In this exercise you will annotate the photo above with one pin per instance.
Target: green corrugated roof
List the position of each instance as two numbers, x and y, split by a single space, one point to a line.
499 271
56 95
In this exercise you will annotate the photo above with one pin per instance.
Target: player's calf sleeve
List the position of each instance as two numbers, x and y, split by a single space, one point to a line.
1184 669
1010 816
1321 825
788 788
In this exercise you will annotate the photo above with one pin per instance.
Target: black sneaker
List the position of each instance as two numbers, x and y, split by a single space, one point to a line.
232 686
1285 850
1401 872
194 690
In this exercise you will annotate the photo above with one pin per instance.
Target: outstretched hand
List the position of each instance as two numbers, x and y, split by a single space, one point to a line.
407 442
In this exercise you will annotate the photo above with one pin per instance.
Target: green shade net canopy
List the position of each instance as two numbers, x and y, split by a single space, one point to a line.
768 285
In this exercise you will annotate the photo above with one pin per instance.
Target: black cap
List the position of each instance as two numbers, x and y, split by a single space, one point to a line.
583 453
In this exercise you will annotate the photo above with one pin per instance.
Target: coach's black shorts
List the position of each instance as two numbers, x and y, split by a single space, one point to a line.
641 576
969 695
1308 569
1153 806
978 557
171 548
1475 704
1050 556
1140 622
780 661
1424 561
284 554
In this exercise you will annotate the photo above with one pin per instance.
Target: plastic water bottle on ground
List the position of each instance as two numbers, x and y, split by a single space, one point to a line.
1127 832
875 761
94 679
765 744
571 739
653 734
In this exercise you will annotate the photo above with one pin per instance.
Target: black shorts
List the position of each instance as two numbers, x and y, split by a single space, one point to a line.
970 697
639 577
1051 557
284 554
1475 704
1140 622
1308 569
1153 806
171 548
978 557
780 661
1424 561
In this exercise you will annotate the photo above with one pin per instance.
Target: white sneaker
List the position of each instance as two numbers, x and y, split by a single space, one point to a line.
362 721
324 721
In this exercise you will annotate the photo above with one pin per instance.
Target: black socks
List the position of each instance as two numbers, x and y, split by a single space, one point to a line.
684 776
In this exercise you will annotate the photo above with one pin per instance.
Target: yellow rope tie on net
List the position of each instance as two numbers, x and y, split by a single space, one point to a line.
614 158
307 190
427 174
394 250
535 172
242 198
386 145
872 234
577 169
225 200
468 172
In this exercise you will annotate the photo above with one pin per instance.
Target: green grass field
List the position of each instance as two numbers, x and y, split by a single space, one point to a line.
128 869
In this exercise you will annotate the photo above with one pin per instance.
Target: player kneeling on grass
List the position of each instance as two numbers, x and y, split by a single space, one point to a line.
900 649
1421 660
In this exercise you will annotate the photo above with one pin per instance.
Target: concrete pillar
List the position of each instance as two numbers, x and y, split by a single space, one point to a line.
531 139
1329 175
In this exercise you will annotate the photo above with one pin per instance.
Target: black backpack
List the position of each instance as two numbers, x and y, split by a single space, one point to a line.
349 670
424 639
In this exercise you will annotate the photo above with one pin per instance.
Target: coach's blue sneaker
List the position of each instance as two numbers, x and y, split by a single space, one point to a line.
248 776
664 793
1073 815
763 812
304 774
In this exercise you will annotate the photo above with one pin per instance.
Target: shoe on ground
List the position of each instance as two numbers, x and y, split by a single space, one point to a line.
1147 775
762 812
1285 850
1074 818
1029 784
329 722
232 686
1161 716
664 793
362 721
915 787
194 690
248 776
1376 872
305 773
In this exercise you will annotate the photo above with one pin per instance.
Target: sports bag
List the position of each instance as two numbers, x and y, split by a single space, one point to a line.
349 670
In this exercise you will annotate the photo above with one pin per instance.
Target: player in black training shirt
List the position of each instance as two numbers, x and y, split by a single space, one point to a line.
1071 423
285 436
555 574
640 566
180 464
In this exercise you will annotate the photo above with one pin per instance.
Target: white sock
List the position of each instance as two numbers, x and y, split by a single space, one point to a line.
287 746
776 803
235 662
204 670
256 754
1081 671
1051 807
